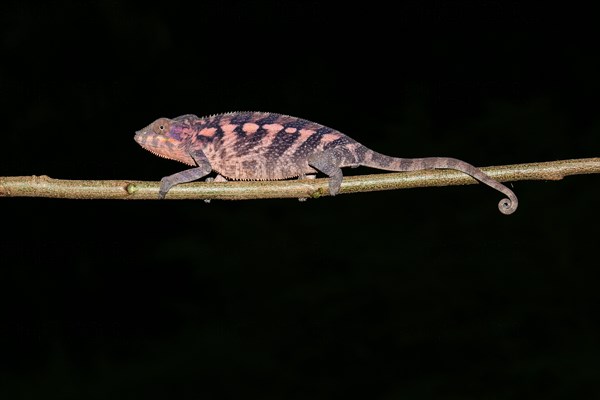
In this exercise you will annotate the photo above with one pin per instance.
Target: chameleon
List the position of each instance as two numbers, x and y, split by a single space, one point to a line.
269 146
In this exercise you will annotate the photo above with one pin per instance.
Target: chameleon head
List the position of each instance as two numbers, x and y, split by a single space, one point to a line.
164 137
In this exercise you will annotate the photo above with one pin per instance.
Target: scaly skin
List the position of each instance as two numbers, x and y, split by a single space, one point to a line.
269 146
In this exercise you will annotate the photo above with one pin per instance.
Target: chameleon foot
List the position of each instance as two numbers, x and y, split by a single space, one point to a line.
218 178
307 176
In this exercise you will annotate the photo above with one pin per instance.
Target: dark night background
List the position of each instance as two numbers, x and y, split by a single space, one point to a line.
411 294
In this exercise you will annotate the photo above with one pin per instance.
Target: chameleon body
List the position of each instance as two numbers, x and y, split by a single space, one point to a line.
269 146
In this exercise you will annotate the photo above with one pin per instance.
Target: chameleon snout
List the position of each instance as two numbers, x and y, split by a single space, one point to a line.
141 136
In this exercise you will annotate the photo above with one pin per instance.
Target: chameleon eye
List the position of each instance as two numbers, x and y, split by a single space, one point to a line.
161 127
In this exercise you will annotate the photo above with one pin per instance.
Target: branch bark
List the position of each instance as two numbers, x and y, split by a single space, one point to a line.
44 186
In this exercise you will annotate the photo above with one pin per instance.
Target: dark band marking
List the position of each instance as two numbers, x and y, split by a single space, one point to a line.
249 144
408 164
267 119
307 148
240 118
298 123
382 160
323 130
249 165
340 141
360 152
280 144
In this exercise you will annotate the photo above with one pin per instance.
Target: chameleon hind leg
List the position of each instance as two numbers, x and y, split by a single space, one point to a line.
329 163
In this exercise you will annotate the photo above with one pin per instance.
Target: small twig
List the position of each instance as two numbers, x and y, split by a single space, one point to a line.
44 186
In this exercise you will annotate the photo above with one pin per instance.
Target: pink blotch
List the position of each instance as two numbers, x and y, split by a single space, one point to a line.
329 137
250 127
273 127
306 133
228 128
207 131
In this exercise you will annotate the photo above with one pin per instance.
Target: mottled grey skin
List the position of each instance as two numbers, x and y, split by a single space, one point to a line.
269 146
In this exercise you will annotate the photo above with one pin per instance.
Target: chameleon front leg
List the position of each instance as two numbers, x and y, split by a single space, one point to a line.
204 168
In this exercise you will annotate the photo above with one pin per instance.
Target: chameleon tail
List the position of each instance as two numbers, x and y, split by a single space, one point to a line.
380 161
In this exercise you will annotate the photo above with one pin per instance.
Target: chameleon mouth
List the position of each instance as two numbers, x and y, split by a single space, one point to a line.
140 138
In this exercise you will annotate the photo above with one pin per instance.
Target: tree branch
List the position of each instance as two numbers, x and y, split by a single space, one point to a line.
44 186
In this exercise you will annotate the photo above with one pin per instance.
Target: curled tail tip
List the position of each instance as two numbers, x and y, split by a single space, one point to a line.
508 206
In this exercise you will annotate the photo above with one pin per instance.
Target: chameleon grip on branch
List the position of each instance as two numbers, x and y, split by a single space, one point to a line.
269 146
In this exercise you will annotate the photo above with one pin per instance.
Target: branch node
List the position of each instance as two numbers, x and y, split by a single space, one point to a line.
131 188
317 193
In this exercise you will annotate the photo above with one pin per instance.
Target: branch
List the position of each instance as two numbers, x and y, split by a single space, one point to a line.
44 186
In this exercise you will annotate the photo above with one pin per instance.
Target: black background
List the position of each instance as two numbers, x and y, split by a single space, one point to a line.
424 293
